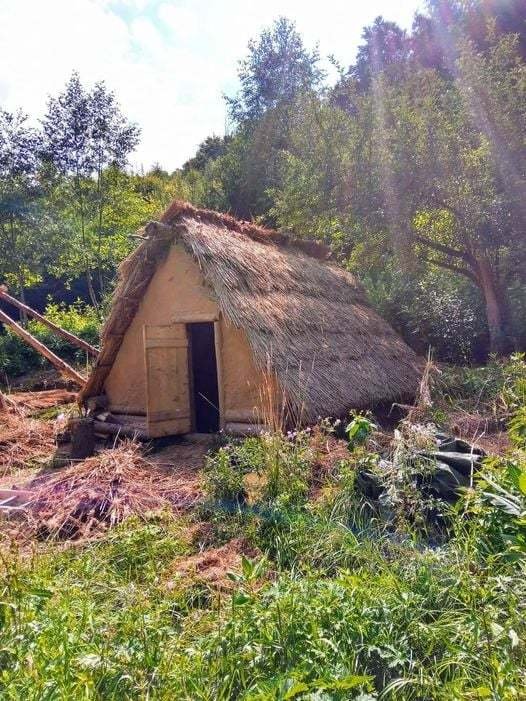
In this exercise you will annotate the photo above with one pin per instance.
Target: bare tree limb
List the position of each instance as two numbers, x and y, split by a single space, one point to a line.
442 248
453 268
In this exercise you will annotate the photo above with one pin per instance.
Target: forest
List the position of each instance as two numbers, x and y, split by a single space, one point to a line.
410 167
374 556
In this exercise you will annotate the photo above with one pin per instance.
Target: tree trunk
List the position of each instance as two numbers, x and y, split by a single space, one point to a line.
91 289
496 309
22 293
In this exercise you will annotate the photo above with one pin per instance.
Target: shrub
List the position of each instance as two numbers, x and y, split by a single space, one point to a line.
358 430
283 464
223 477
499 386
16 357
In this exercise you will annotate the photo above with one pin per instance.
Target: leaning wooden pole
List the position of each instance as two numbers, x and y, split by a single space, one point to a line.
61 366
74 340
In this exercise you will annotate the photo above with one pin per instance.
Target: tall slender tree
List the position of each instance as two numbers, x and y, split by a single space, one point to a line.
84 134
277 68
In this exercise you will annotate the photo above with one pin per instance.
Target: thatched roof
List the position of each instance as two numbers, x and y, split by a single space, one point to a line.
304 316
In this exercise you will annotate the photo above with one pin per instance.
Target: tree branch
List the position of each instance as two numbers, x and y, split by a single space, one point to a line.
441 248
453 268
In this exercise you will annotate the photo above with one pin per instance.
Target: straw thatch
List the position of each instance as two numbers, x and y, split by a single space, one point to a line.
305 317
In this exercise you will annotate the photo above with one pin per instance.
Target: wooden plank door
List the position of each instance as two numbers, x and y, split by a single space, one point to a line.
168 409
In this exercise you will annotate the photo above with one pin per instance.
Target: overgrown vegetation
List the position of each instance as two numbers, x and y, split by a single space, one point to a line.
351 598
362 570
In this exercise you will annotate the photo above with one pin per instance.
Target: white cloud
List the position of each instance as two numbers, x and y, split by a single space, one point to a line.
180 20
146 37
168 60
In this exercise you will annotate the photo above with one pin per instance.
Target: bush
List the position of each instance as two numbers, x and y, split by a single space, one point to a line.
498 387
16 357
283 464
502 484
223 477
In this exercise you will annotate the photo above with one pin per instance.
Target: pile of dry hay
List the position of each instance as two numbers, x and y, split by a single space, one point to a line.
27 402
102 491
213 566
23 440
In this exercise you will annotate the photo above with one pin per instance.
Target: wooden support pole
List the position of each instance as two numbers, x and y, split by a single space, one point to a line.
74 340
61 366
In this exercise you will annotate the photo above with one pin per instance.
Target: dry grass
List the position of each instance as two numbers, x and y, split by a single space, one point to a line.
23 440
46 399
480 429
102 491
212 566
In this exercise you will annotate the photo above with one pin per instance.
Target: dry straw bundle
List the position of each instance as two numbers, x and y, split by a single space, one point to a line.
23 440
102 491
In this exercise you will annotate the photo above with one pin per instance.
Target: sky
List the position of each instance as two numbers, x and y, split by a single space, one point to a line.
168 61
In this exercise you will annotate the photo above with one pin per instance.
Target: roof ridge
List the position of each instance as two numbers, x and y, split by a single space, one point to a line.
180 208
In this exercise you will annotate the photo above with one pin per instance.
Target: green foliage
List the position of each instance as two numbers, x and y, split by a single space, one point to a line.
277 68
497 388
502 482
517 427
16 357
285 466
223 477
349 612
358 430
281 463
504 486
345 602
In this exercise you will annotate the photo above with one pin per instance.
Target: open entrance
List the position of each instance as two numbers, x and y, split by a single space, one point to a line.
204 377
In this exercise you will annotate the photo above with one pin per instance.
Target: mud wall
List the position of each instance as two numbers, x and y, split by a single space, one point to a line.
178 293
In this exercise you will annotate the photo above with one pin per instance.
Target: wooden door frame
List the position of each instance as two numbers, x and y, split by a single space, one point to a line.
214 319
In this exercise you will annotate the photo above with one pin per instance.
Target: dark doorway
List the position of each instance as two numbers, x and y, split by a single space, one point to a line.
204 377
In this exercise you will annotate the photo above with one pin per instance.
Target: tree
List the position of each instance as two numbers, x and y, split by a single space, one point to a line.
278 68
448 160
24 247
210 149
420 174
385 49
85 133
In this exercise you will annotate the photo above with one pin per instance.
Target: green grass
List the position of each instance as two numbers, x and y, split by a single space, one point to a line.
348 601
344 611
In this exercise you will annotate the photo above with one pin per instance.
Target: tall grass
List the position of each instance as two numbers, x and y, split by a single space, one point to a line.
347 611
345 604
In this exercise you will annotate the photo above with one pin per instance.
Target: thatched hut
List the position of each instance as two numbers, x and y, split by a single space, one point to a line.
212 317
